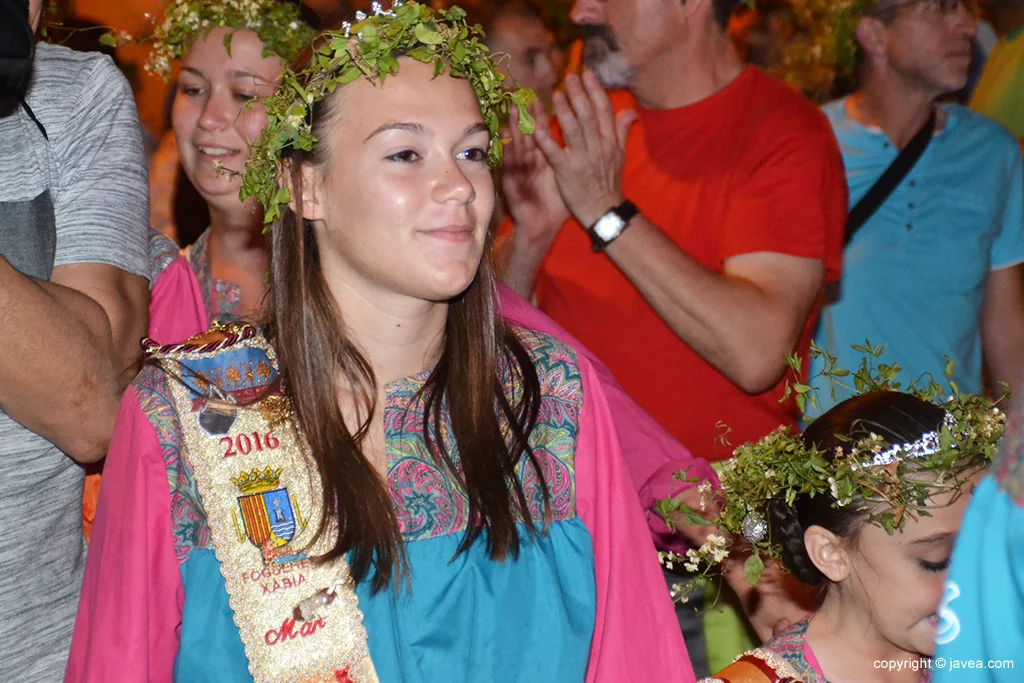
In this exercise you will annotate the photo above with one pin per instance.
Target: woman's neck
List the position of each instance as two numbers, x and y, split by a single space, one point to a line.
237 237
848 646
399 335
239 254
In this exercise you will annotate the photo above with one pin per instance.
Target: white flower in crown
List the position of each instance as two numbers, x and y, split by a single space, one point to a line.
360 16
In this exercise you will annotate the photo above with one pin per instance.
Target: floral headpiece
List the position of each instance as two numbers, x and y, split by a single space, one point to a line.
867 469
279 26
370 49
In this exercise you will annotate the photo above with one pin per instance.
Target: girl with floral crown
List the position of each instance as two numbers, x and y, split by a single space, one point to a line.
391 484
230 56
866 505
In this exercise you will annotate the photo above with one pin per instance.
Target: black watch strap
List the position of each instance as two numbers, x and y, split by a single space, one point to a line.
624 212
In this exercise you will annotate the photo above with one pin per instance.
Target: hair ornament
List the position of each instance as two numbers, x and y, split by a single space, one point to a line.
278 25
370 49
880 478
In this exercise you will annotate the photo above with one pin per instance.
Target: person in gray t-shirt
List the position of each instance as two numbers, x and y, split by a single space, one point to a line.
73 306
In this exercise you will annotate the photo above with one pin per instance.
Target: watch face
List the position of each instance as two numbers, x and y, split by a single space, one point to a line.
609 226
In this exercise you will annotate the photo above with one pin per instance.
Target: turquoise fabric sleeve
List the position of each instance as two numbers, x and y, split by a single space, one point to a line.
981 627
211 649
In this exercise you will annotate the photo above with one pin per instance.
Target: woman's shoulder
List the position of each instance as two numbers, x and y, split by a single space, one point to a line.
560 370
553 357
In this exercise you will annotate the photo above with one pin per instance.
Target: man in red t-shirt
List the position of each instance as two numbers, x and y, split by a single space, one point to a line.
729 194
741 195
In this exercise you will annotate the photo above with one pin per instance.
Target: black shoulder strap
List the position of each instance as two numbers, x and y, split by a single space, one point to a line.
890 180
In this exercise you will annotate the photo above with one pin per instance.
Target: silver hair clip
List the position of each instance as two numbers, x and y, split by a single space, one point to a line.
755 528
927 445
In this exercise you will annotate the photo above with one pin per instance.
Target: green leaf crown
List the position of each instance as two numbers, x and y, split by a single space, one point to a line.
781 467
370 49
278 25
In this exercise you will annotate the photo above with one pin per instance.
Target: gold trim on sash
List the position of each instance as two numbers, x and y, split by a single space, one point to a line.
262 498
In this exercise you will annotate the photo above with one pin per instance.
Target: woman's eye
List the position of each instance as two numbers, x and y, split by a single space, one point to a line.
245 97
935 566
405 156
191 90
474 154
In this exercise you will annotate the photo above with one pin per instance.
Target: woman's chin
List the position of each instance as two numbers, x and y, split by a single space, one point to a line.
446 285
924 634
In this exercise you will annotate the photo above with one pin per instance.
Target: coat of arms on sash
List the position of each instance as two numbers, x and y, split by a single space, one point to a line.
260 492
269 518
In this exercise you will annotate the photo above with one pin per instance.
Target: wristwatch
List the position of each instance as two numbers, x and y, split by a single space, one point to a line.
612 224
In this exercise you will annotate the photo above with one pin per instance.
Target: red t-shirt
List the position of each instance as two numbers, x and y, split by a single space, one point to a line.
753 168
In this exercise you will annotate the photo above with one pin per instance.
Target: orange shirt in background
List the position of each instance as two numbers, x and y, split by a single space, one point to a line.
753 168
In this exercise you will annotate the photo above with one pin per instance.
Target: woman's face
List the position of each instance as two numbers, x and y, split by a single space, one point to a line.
900 579
210 119
403 202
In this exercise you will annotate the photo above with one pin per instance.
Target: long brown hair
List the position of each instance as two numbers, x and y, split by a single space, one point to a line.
489 429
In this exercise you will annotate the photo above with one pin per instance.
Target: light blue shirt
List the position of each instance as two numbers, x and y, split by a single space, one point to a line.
914 275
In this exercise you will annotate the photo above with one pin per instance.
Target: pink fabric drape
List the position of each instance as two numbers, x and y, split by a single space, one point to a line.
636 634
132 521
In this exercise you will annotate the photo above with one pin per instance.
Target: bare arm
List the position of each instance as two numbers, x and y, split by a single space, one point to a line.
743 321
535 206
1002 326
70 346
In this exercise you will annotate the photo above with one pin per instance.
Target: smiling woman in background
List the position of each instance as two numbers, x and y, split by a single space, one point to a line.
214 126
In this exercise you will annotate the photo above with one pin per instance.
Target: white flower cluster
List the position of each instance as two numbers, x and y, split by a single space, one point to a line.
185 18
714 551
704 489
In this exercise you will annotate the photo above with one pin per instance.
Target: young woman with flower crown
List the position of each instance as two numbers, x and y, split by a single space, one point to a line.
231 55
865 504
391 485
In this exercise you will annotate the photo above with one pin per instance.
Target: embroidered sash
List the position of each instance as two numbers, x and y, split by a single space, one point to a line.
262 498
757 666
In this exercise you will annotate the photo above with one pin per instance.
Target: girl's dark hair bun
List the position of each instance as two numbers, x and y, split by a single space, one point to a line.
787 529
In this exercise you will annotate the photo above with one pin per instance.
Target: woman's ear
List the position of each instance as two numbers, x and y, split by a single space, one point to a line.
828 552
308 193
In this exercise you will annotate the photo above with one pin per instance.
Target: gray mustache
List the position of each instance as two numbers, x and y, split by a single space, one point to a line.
599 32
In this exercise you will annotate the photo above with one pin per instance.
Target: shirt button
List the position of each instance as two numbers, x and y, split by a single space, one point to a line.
910 206
909 226
913 183
885 145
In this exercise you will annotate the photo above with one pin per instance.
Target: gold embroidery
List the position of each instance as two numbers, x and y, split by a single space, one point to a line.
257 502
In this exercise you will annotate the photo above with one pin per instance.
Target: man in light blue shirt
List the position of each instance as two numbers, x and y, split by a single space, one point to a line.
937 270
